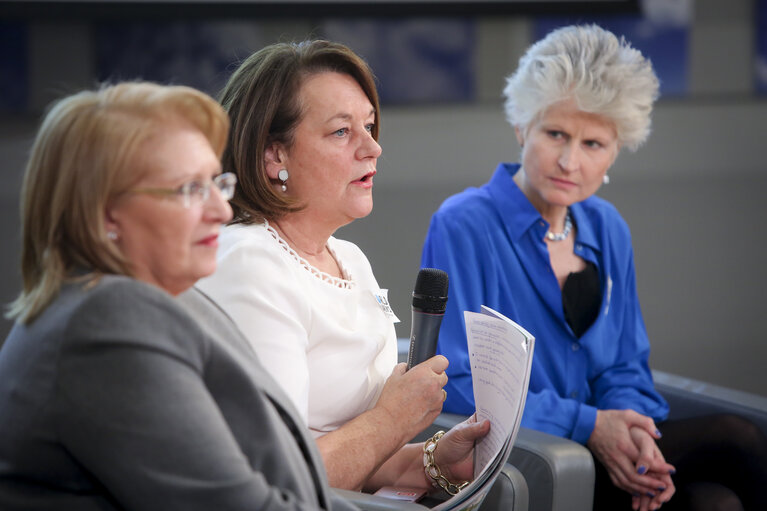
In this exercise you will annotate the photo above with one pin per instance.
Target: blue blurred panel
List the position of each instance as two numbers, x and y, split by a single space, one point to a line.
760 74
13 66
415 60
197 54
664 42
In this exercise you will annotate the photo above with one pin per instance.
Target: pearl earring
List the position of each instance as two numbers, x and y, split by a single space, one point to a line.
112 235
606 179
282 175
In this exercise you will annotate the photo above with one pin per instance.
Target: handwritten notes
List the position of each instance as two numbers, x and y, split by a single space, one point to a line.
500 352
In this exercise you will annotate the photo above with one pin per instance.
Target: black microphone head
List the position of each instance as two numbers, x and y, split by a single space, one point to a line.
430 292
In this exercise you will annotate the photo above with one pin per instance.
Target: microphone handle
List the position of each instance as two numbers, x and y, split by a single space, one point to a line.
423 337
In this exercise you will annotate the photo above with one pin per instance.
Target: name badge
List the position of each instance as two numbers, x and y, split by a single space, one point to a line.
382 297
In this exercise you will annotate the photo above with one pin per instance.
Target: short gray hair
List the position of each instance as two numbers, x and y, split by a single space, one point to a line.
603 74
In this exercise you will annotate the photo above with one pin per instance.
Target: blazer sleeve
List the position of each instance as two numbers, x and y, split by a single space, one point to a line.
134 410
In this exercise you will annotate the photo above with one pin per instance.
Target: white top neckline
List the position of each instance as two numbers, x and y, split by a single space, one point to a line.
345 282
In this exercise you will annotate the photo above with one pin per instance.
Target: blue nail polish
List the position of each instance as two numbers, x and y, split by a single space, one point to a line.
657 432
661 489
672 471
635 494
650 494
641 470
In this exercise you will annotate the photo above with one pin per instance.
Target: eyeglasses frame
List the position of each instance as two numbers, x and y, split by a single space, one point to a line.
224 182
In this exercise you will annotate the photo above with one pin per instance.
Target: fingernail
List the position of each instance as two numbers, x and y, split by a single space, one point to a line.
635 494
641 470
661 489
672 471
657 432
650 494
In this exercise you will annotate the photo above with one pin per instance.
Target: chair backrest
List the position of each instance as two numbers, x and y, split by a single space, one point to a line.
688 397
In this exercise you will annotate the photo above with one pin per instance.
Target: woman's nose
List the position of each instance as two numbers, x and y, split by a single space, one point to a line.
570 159
217 207
370 148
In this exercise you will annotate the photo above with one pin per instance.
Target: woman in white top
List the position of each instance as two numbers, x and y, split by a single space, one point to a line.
304 148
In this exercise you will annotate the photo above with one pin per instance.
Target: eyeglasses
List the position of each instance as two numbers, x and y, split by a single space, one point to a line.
195 191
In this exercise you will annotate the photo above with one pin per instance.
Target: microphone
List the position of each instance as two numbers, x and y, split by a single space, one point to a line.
429 302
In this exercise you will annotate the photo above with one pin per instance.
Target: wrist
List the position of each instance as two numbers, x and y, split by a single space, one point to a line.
387 424
434 474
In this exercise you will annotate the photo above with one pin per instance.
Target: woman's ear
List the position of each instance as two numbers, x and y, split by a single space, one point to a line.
275 160
111 220
520 136
616 152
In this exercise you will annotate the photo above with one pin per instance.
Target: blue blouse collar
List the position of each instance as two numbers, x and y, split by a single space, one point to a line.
518 213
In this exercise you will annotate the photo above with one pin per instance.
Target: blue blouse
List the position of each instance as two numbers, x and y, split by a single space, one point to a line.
490 242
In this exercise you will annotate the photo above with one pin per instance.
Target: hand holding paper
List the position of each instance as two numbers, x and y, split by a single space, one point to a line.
501 354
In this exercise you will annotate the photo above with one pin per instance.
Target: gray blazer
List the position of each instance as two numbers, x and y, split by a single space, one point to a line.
121 397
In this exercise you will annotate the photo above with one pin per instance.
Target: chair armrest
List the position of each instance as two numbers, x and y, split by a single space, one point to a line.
559 473
509 492
688 397
368 502
547 473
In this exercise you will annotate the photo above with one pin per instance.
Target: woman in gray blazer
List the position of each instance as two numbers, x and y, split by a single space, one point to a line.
116 393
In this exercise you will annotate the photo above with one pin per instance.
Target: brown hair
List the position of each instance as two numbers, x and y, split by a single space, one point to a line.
262 100
87 151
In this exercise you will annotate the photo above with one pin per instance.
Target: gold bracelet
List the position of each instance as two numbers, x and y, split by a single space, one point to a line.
433 471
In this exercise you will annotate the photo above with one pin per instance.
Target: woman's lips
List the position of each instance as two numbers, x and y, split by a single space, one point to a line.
366 181
209 241
562 183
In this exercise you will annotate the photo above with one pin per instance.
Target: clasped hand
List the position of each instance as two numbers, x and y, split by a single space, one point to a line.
624 441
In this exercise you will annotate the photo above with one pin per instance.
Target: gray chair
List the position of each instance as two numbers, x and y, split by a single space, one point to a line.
509 493
559 473
544 473
688 397
556 469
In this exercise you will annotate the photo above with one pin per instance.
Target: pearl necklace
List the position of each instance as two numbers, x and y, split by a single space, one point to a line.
559 236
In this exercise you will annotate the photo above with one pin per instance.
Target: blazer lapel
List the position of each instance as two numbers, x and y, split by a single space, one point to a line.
209 311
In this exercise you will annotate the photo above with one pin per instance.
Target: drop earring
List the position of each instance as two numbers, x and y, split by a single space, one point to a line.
606 179
282 175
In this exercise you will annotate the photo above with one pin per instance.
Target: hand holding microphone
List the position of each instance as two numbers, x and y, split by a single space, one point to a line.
413 398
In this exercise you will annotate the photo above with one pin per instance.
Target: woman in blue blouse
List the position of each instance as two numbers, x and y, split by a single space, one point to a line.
537 245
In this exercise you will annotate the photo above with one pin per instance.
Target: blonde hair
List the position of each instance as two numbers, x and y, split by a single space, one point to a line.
88 151
604 75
